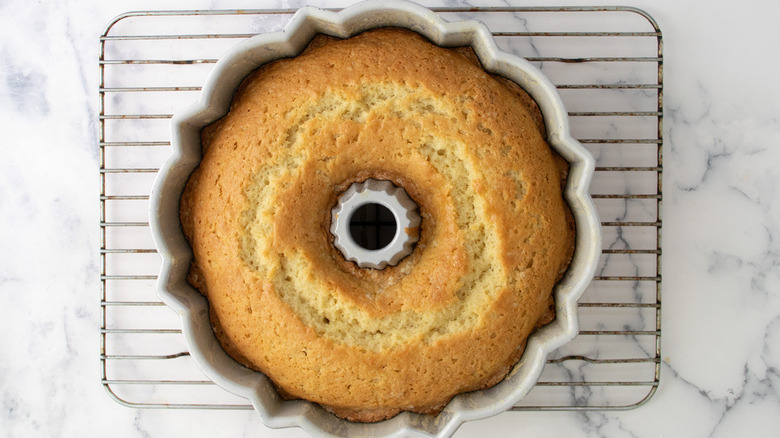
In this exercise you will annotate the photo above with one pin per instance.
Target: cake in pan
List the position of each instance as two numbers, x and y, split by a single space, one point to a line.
495 234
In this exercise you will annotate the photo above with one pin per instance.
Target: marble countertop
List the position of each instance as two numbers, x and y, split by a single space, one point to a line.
720 363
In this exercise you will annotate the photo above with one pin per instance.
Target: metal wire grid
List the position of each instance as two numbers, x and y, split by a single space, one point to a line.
607 64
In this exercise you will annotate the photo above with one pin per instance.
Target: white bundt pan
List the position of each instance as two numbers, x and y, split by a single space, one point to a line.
214 102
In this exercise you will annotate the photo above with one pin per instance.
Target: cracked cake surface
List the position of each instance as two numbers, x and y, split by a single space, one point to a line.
469 149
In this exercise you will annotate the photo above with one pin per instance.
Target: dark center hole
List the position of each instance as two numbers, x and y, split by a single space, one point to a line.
372 226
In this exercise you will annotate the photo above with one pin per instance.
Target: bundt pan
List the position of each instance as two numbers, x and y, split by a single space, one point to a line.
214 103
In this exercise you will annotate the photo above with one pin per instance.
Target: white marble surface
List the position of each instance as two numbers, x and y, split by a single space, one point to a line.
721 289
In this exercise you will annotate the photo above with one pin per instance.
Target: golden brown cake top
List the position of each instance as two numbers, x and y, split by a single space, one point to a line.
494 238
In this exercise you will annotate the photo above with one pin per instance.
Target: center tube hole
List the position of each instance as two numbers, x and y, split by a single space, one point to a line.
372 226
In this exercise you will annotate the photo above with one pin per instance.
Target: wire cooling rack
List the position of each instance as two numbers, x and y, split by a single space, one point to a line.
607 64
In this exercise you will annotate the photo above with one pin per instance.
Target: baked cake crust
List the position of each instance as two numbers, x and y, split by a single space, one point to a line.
495 236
